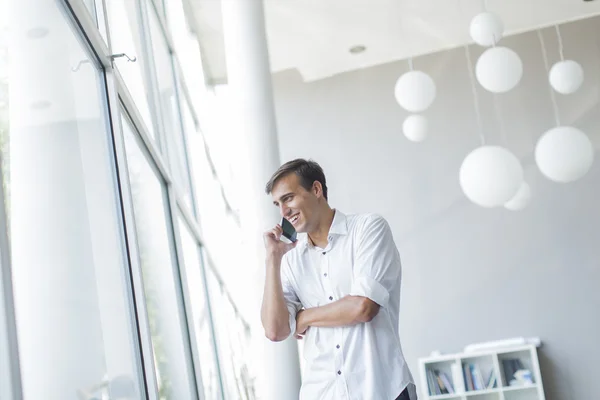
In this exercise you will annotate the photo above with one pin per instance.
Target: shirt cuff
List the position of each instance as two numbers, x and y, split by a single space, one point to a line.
292 311
370 288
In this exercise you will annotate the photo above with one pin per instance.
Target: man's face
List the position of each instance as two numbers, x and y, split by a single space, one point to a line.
296 204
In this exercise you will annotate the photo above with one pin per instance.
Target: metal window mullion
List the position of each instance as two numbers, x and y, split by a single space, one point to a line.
191 221
106 25
141 129
164 26
82 17
121 173
8 321
207 298
185 90
188 170
144 335
151 77
187 320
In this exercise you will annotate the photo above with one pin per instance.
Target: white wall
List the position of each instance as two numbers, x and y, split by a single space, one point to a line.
470 274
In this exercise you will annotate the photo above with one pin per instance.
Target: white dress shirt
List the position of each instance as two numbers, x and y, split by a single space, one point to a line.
360 362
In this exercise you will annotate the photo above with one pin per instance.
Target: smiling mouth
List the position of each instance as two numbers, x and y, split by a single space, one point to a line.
294 219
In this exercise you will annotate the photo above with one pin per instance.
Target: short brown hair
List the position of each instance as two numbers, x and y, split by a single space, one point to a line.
307 170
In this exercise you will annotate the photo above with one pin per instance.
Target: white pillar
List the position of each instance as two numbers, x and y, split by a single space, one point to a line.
249 80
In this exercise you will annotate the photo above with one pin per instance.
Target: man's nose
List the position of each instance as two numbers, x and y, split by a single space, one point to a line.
284 210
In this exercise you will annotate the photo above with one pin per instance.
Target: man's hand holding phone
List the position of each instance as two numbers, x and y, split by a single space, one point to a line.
273 244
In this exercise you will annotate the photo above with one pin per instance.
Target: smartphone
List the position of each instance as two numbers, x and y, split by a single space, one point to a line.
288 230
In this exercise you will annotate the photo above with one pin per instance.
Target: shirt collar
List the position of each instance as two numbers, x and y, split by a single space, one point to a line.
339 226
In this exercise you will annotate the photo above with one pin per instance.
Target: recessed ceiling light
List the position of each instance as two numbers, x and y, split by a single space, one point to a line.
37 33
357 49
40 105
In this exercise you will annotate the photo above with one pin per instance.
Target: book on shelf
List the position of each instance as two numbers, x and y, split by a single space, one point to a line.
474 378
491 381
439 383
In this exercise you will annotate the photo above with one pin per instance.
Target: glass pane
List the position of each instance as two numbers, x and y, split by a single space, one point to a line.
101 19
233 341
211 205
73 310
126 37
163 301
179 146
200 313
91 6
188 53
169 107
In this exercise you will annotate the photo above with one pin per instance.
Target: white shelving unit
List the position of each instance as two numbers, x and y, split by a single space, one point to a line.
460 370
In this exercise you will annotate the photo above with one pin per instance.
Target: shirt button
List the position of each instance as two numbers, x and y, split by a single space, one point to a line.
325 274
339 372
337 347
324 253
330 297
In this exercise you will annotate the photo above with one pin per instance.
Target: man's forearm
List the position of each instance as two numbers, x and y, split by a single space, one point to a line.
349 310
274 312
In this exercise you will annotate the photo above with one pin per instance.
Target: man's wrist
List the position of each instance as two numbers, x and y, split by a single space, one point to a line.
273 259
303 318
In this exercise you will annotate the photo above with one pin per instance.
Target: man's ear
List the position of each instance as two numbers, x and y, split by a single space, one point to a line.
317 189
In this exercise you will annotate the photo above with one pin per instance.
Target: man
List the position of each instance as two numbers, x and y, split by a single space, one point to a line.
338 289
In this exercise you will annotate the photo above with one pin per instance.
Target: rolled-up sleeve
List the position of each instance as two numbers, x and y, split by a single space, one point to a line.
289 293
377 269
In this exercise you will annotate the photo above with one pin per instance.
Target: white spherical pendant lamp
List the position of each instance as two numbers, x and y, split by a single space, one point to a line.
415 91
566 76
415 128
499 69
564 154
486 29
490 176
521 199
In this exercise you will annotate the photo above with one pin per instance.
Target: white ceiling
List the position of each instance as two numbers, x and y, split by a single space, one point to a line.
314 36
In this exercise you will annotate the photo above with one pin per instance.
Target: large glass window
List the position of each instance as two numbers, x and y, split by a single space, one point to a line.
77 337
160 279
124 22
200 313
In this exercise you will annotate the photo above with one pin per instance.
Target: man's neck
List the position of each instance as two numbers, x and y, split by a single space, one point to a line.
318 237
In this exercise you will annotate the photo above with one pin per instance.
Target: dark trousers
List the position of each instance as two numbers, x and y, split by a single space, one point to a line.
403 395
